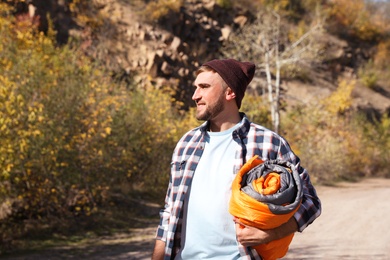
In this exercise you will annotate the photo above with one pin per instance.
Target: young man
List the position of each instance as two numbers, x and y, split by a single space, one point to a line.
195 223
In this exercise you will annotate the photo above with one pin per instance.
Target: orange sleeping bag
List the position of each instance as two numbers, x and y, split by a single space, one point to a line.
266 195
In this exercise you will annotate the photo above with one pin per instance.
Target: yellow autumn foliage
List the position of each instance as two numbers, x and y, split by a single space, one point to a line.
382 55
355 20
336 142
341 99
157 9
69 135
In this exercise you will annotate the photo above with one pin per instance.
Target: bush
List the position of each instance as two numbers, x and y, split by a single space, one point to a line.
156 10
382 55
257 109
352 19
70 137
375 144
380 61
340 100
225 3
368 75
337 143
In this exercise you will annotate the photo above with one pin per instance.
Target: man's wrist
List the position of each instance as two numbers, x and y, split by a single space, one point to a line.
284 230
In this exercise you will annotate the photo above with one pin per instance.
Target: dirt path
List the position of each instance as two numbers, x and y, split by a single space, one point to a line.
355 224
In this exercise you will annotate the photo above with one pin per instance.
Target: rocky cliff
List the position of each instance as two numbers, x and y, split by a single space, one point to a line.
166 52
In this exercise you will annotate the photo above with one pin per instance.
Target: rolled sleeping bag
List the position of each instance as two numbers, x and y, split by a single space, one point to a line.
266 195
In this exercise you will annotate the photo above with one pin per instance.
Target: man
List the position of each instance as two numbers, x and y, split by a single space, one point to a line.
195 223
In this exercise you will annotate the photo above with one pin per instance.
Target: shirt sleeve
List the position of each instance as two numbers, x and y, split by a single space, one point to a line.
310 208
162 229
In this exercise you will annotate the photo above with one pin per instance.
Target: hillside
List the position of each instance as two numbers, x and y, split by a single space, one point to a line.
166 51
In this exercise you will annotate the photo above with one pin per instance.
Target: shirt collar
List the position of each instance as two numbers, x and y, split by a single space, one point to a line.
242 130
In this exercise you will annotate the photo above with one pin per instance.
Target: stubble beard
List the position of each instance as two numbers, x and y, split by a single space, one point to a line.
211 111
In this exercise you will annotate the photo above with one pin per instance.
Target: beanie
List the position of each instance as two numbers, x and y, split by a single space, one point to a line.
236 74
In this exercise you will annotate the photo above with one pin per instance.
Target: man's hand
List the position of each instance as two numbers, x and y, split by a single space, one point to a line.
251 236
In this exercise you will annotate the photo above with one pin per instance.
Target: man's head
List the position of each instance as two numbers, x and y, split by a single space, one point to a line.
237 75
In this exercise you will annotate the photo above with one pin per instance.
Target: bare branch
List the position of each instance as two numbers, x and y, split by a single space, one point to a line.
303 37
263 40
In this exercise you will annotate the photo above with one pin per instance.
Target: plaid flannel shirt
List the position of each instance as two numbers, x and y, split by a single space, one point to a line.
254 140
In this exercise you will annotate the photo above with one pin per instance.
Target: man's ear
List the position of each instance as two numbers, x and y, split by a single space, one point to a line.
230 94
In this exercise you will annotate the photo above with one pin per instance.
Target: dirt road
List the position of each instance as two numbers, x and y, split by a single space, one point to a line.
355 224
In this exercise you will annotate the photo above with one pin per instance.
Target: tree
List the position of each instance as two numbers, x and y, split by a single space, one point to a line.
268 41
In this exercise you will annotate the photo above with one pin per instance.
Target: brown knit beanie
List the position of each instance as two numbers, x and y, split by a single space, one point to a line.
236 74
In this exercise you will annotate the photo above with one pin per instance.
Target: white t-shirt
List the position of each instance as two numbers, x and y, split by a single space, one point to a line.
208 229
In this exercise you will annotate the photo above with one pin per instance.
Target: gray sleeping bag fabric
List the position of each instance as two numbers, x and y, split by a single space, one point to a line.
288 197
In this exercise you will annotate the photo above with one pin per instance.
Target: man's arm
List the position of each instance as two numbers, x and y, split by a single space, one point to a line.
251 236
310 208
159 250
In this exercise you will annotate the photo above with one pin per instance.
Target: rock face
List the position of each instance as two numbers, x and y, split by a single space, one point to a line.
167 53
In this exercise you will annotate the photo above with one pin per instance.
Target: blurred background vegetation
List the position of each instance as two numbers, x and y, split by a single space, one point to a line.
78 145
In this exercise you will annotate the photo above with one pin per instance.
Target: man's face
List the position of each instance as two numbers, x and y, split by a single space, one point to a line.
209 95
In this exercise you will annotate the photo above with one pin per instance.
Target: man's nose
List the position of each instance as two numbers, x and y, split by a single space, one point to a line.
195 96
